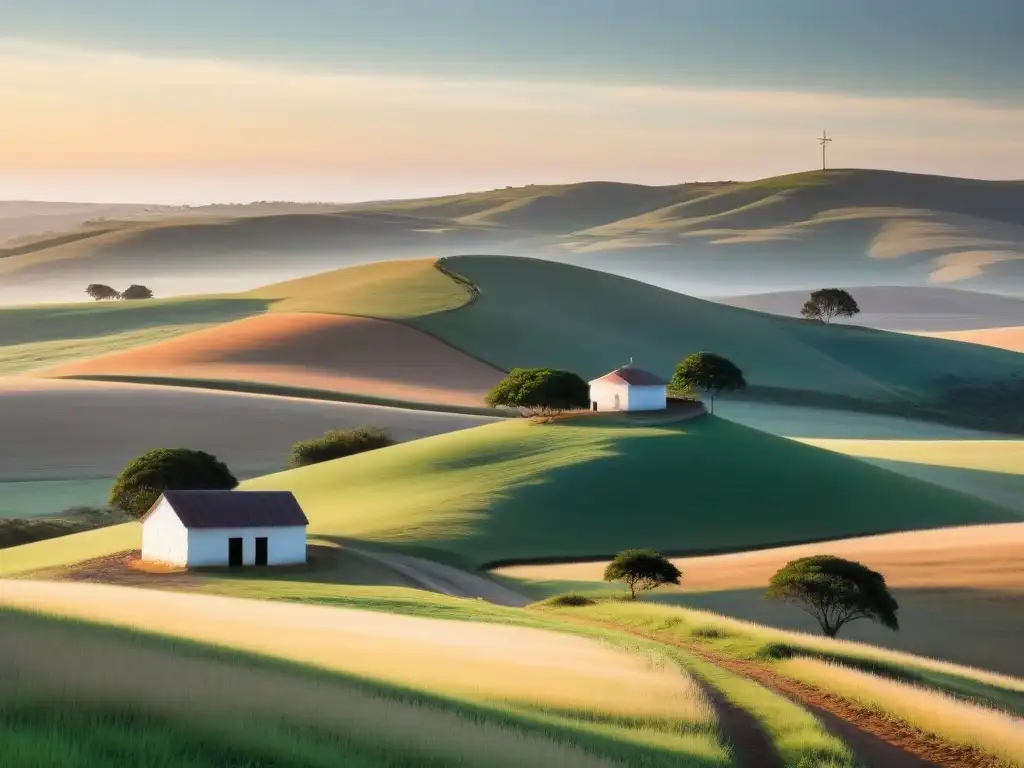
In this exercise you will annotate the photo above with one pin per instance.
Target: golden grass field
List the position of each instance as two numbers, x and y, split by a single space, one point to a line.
490 662
62 663
974 557
961 590
1011 338
353 355
956 721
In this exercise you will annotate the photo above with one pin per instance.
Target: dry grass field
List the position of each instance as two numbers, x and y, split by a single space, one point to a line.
489 662
346 354
60 431
961 590
59 663
955 720
592 694
1011 337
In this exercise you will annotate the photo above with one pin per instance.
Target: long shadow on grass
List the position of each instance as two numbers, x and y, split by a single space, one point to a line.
1002 488
977 628
701 487
539 724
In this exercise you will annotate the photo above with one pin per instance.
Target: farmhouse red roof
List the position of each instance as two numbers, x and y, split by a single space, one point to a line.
236 509
636 377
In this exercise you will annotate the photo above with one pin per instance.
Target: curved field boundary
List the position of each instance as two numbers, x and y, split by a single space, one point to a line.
260 388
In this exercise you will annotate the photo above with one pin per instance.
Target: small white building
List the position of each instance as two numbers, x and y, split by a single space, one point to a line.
628 389
234 528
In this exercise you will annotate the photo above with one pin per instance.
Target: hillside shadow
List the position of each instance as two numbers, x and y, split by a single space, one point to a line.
816 420
978 628
1002 488
700 487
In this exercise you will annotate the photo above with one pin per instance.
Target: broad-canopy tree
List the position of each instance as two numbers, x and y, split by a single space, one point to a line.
179 469
709 373
642 569
102 292
133 292
540 390
835 592
828 303
337 444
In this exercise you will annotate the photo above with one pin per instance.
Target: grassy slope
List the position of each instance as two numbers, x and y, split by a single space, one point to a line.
39 337
492 493
391 290
541 313
385 690
885 227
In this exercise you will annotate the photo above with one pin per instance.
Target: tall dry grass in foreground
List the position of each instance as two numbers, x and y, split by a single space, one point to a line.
949 718
56 663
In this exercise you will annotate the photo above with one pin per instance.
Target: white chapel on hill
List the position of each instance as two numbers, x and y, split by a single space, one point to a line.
628 389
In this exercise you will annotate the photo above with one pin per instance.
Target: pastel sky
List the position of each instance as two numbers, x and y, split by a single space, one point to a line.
238 100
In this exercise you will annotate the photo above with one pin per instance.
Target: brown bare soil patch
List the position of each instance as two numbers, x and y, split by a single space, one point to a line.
356 355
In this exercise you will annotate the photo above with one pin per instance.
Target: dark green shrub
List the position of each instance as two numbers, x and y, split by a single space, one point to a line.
181 469
569 600
337 444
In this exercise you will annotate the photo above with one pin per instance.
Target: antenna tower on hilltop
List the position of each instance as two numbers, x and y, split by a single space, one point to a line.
824 139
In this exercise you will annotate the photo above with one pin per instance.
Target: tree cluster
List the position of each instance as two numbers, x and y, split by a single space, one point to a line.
540 391
101 292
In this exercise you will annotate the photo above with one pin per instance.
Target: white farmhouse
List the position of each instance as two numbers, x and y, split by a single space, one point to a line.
628 389
235 528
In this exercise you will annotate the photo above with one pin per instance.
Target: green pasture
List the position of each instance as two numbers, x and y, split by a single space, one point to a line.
539 313
391 290
520 490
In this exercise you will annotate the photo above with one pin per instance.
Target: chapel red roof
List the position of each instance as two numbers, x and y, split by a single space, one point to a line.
633 376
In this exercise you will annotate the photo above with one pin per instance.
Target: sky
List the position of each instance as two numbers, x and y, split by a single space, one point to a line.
198 101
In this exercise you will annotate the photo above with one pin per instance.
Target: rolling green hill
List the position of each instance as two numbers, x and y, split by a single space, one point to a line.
538 313
517 490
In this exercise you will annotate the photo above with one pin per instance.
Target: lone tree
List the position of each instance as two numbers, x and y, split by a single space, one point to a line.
828 303
102 292
136 292
336 444
540 390
642 569
835 592
140 483
710 373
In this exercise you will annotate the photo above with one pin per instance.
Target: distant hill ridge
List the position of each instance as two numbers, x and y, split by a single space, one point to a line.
843 226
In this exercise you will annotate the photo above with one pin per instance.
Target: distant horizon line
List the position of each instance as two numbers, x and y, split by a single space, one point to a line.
378 200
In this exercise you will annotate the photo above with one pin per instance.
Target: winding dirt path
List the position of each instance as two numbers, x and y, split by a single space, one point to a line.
878 741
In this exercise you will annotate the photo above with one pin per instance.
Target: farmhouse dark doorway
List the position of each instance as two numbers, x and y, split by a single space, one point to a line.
261 550
234 552
593 405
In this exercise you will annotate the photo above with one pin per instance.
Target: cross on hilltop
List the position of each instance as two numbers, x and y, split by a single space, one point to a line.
824 139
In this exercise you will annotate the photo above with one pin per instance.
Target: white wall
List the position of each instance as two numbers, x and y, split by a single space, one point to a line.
209 546
647 398
604 392
164 538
